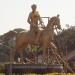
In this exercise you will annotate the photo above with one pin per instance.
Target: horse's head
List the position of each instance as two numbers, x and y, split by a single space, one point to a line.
55 22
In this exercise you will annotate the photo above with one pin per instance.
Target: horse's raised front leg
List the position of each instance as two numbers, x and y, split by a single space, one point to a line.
52 45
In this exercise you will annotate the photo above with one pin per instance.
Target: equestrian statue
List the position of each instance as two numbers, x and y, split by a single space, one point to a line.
44 38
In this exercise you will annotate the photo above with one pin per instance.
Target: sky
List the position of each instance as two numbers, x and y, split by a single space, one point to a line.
14 13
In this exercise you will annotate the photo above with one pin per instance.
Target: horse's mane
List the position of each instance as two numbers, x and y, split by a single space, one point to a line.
53 19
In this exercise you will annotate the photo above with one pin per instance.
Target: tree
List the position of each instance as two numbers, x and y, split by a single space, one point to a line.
66 40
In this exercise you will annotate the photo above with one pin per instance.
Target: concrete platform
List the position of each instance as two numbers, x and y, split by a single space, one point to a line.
32 68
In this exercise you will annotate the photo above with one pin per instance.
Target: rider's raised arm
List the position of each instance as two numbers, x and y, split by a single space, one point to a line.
29 19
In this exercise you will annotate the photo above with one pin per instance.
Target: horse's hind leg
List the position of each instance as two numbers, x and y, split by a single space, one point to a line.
21 55
13 55
44 57
21 50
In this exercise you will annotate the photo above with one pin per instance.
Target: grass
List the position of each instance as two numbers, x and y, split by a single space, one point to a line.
2 74
49 74
60 74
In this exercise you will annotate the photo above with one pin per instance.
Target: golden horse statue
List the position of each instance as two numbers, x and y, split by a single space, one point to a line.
45 40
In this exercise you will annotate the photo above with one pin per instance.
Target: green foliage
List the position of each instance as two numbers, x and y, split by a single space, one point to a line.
66 40
36 49
2 66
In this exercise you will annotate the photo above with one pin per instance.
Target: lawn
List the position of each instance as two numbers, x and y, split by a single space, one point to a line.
49 74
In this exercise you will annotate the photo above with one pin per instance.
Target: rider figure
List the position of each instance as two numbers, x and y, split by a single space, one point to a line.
33 20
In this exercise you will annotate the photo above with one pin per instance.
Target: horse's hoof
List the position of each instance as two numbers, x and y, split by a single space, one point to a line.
45 63
23 62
